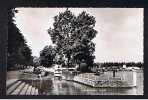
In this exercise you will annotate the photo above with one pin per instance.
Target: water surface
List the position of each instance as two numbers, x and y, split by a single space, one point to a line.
63 87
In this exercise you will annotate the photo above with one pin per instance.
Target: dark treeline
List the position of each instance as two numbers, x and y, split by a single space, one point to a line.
19 52
120 64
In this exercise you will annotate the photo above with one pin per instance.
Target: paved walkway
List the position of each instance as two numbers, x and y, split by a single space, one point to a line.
13 74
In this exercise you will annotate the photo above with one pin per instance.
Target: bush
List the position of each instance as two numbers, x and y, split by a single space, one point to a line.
84 68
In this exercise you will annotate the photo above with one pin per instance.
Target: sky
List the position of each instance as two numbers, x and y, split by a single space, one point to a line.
119 38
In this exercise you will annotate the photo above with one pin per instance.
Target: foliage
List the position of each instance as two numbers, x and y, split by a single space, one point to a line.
36 61
18 50
73 37
120 64
47 56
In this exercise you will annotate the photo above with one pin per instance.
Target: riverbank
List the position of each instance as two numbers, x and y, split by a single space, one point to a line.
50 86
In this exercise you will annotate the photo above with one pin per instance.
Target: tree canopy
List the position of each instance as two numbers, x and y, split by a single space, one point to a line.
47 56
73 37
18 51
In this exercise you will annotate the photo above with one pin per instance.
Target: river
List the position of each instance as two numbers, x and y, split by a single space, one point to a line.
63 87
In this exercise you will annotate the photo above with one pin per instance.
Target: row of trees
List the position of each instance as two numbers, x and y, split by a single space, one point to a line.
72 36
120 64
18 51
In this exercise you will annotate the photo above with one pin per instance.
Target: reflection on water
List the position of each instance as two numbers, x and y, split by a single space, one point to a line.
57 87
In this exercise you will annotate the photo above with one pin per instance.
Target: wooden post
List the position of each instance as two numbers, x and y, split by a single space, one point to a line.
114 73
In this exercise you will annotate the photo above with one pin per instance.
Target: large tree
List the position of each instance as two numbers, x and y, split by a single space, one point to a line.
83 45
47 56
73 37
18 50
61 34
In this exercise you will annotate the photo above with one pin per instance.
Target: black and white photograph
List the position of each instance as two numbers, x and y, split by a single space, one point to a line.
75 51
